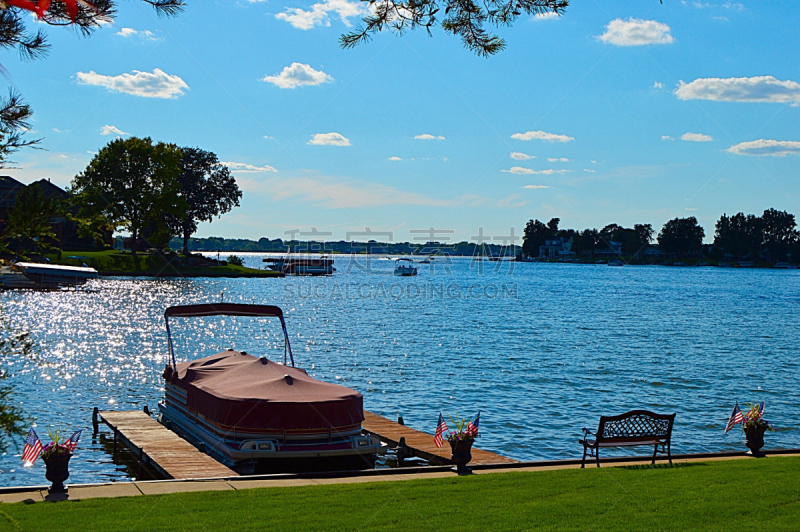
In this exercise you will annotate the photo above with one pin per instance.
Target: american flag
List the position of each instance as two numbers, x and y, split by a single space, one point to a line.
33 447
472 428
441 428
761 408
736 417
72 442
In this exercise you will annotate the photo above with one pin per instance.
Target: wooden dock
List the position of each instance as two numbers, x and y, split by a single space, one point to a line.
174 457
157 446
422 443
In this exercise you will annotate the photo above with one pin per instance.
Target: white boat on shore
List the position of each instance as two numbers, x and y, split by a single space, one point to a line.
54 274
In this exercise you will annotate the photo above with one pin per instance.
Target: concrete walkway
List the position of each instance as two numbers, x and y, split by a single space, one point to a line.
133 489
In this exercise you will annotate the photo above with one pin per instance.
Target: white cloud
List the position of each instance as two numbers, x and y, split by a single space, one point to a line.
550 15
329 139
146 35
755 89
426 136
696 137
535 187
518 156
318 14
558 159
248 168
56 130
590 171
636 32
111 130
658 85
520 170
541 135
269 137
763 147
733 5
157 84
394 158
666 137
593 161
297 75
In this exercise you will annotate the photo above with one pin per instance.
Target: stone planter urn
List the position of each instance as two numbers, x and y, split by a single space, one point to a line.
754 439
461 455
57 471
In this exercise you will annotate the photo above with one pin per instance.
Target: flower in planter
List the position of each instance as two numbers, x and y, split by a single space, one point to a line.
58 446
464 429
754 418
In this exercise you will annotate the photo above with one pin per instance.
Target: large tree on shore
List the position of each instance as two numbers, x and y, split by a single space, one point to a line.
131 182
208 189
681 236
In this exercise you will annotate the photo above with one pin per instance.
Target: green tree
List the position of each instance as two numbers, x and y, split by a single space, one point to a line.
779 233
681 236
207 187
13 343
29 220
535 235
131 182
739 236
465 19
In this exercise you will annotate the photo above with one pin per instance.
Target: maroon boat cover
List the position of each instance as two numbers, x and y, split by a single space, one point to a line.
240 390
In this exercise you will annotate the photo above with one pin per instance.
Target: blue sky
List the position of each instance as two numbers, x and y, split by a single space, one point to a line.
618 112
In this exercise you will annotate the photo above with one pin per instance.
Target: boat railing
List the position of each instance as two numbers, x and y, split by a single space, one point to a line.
226 309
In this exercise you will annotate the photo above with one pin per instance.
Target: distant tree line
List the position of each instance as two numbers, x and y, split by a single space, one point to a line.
773 236
298 246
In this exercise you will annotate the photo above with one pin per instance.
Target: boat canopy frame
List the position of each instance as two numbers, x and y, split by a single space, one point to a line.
226 309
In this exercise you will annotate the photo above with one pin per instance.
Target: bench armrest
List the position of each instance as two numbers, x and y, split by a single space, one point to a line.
586 432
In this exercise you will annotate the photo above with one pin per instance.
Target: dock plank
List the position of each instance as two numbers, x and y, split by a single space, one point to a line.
422 443
166 451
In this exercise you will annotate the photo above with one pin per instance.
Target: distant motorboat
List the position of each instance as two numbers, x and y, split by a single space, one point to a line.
404 267
784 266
55 274
424 261
746 264
616 262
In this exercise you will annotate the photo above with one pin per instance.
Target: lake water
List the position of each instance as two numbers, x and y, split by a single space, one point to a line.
540 349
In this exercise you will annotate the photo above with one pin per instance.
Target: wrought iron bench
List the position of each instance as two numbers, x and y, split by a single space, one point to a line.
637 427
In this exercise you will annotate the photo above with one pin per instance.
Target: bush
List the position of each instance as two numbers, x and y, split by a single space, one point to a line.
235 260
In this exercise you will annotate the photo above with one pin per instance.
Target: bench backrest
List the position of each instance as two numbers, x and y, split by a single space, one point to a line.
635 425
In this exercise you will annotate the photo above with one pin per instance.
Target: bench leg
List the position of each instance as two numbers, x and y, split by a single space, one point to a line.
597 456
669 452
583 460
655 450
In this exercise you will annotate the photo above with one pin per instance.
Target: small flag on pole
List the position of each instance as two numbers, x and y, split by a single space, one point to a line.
441 428
736 417
72 442
472 428
761 408
33 447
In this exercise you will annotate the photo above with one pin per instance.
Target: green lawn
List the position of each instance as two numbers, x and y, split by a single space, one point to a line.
733 495
112 262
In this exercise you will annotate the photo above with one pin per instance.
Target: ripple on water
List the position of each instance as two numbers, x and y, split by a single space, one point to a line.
576 342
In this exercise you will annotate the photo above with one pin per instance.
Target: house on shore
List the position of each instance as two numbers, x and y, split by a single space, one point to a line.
556 248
